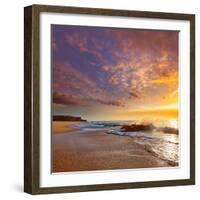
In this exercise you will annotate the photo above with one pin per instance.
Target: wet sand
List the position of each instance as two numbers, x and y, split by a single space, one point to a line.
63 126
97 150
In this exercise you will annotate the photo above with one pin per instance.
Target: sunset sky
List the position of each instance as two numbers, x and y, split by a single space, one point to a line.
114 74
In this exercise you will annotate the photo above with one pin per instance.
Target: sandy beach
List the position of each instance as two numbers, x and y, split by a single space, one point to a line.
97 150
63 127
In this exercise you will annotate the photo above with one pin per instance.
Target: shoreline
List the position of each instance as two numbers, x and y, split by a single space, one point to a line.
61 127
97 150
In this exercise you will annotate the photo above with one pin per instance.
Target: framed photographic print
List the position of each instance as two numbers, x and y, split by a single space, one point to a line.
109 99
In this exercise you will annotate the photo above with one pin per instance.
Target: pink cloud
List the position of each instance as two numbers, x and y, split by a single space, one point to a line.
75 88
54 45
60 98
81 42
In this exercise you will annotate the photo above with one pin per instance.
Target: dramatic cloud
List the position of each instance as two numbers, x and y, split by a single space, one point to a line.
144 57
59 98
71 87
109 67
110 103
133 95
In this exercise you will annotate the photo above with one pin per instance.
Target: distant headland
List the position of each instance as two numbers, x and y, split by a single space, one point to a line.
67 118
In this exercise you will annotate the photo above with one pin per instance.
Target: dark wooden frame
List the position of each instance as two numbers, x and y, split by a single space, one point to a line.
32 105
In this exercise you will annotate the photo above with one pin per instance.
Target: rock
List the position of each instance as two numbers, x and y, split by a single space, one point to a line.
168 130
137 127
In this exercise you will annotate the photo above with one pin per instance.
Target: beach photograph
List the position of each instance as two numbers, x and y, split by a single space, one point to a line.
114 99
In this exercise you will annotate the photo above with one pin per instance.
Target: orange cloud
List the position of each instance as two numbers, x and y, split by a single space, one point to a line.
130 68
169 79
138 77
153 113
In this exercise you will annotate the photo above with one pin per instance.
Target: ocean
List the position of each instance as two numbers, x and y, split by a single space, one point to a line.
161 144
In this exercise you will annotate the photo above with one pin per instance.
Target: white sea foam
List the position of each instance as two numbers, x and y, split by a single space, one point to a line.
162 145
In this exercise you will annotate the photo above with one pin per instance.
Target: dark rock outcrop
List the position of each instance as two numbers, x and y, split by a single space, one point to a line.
137 127
168 130
148 127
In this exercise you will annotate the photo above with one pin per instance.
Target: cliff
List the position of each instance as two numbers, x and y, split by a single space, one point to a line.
67 118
